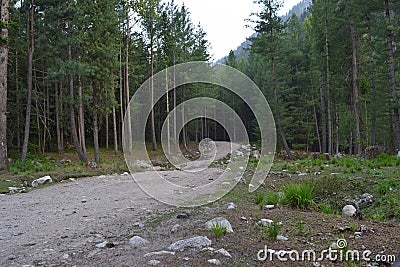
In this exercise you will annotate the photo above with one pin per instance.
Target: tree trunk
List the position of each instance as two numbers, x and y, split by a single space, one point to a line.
115 131
31 48
356 110
396 118
81 120
95 125
58 127
328 90
79 151
278 114
4 17
323 113
128 133
153 124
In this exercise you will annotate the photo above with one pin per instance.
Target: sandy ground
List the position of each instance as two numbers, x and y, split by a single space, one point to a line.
61 224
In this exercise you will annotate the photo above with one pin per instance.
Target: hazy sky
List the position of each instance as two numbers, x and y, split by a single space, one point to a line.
224 21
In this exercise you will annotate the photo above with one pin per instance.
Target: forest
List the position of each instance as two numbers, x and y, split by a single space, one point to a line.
69 68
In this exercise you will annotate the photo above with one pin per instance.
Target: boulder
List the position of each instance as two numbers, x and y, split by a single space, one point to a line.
220 221
42 181
349 210
194 242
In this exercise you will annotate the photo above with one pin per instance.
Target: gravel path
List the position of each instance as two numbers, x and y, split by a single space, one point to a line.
62 223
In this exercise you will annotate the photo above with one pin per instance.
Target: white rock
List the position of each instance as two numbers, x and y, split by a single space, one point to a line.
138 241
42 181
194 242
282 238
65 256
220 221
265 222
153 262
214 261
102 245
269 207
231 206
159 253
224 252
208 249
175 228
349 210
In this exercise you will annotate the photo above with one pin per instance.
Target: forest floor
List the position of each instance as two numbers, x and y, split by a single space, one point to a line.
90 221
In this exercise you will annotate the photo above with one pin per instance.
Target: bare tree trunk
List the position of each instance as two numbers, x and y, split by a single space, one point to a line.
323 113
115 131
95 125
58 129
328 90
82 155
396 118
127 90
356 110
121 97
153 125
107 132
317 129
278 114
81 120
31 49
4 18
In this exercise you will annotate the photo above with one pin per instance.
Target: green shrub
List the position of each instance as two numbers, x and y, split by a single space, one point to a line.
326 208
271 198
299 195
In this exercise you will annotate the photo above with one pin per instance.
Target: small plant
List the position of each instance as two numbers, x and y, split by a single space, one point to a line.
299 195
218 229
270 198
272 231
386 186
326 208
259 198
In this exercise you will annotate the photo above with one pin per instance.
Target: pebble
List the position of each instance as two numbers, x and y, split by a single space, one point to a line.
214 261
153 262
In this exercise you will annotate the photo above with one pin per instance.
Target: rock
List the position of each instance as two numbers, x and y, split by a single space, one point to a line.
143 165
63 161
349 210
159 253
269 207
93 165
398 154
14 190
255 154
220 221
231 206
138 241
183 215
194 242
105 244
367 198
175 228
42 181
65 256
282 238
265 222
153 262
214 261
224 252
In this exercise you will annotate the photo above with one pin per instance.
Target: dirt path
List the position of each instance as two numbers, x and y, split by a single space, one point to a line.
61 224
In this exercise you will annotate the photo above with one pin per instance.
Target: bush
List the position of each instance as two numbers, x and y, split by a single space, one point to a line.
299 195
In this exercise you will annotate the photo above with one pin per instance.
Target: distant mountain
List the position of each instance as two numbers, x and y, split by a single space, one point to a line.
302 10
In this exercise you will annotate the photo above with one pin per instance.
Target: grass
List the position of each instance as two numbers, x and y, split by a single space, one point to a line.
218 230
299 195
272 231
